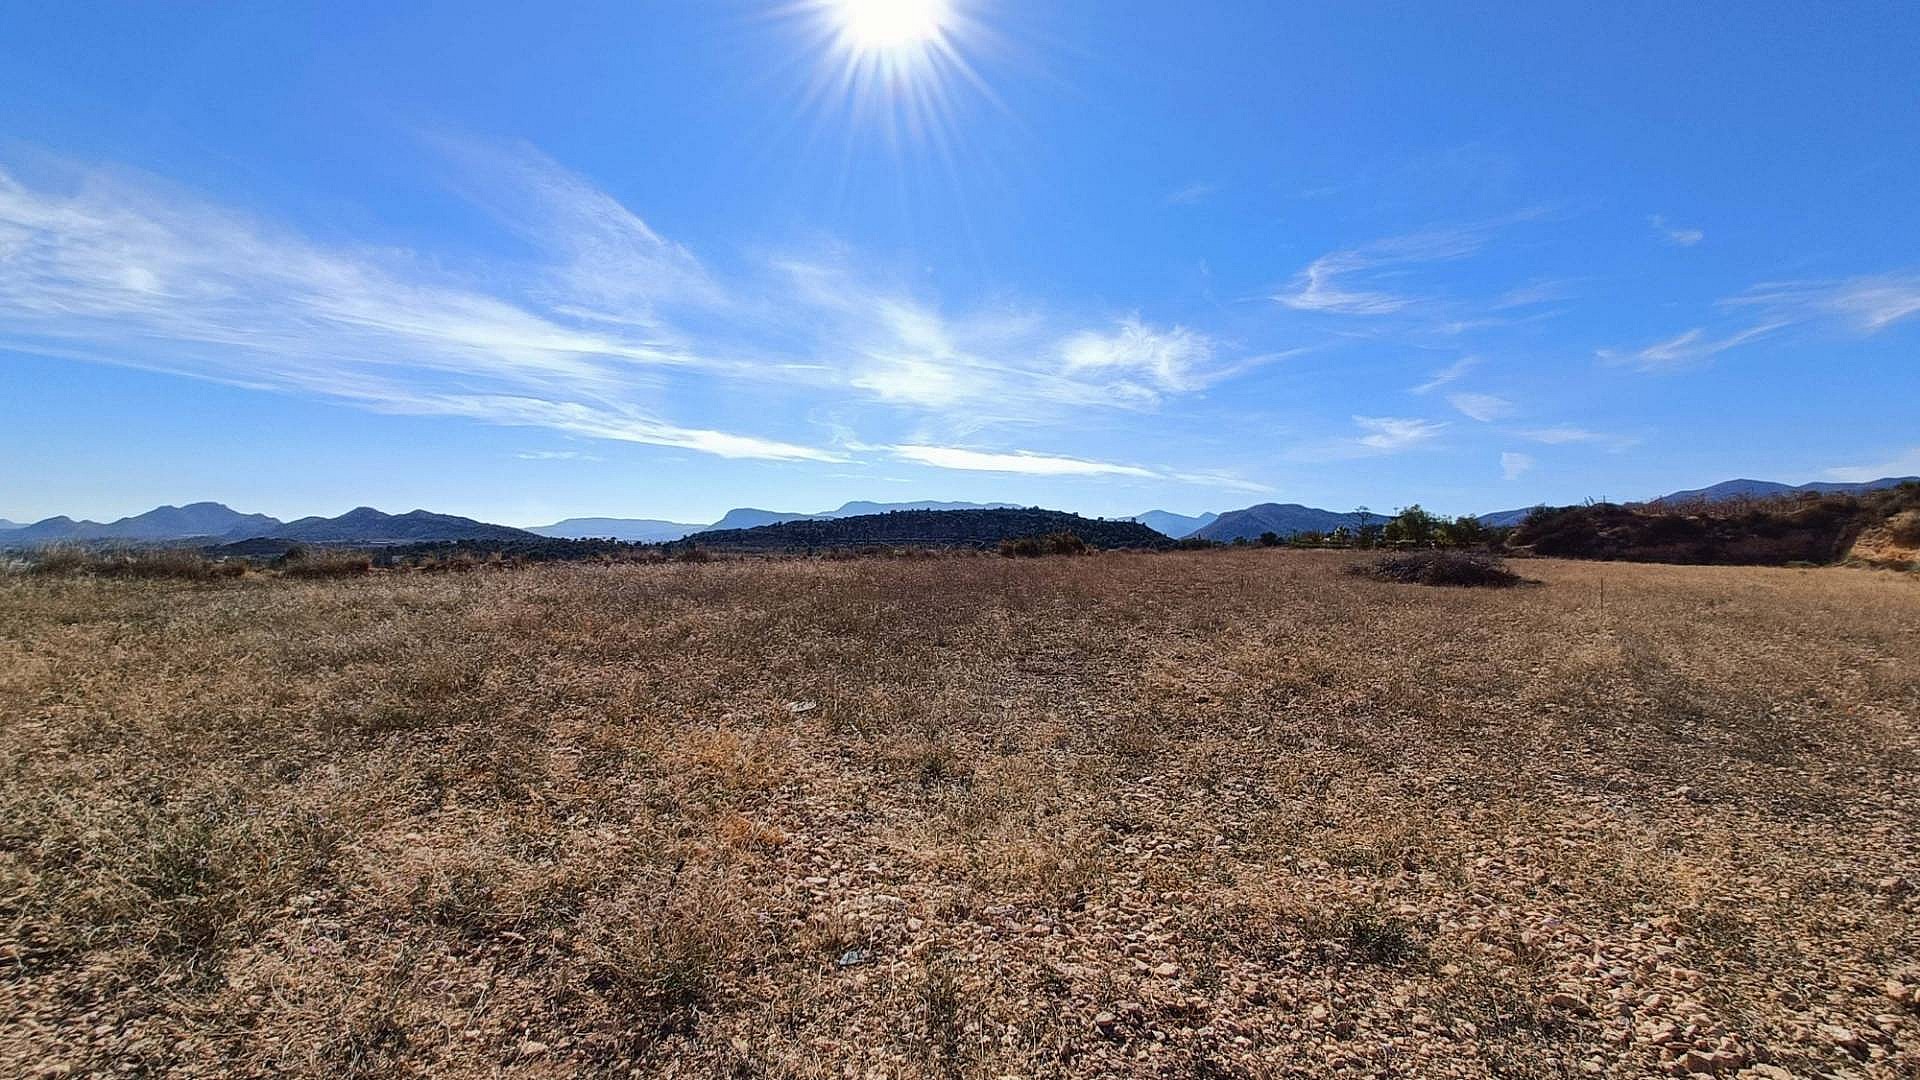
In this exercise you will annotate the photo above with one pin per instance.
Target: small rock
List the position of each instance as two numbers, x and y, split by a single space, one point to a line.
531 1048
1566 1002
1167 970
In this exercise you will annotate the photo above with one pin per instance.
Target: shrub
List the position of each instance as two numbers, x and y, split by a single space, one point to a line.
1440 568
303 562
166 563
1904 527
1032 547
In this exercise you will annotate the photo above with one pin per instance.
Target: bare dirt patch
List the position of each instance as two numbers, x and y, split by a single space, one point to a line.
1208 814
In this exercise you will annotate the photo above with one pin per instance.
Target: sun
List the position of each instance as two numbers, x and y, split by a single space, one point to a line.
879 26
896 67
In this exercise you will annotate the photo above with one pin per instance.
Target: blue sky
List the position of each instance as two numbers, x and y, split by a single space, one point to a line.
661 259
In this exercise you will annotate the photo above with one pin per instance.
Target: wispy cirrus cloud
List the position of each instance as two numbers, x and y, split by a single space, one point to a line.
1347 282
1685 350
1485 408
555 455
607 331
1025 462
1187 194
1171 359
1514 465
1452 373
1373 436
1907 464
1866 304
1393 433
1677 235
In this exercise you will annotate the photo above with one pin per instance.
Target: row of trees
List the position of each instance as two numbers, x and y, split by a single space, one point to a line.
1411 527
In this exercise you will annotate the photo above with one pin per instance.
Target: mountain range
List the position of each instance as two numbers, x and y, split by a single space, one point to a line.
211 522
1283 519
214 522
1175 525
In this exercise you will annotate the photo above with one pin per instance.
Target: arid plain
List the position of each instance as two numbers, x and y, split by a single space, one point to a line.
1212 814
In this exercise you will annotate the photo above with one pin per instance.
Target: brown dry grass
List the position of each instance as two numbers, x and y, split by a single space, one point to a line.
1211 814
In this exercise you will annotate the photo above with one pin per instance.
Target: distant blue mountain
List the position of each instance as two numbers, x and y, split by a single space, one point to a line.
162 523
1766 489
1282 519
1175 525
1505 519
633 530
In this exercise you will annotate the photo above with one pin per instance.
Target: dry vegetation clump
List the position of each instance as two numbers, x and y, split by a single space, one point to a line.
322 562
1033 547
177 563
1465 568
1904 528
1234 815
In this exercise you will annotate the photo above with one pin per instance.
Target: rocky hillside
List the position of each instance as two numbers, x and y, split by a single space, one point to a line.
1809 528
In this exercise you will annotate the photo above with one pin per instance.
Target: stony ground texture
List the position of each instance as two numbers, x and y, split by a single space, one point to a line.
1216 814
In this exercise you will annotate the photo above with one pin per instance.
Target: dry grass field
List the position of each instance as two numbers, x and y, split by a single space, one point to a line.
1219 814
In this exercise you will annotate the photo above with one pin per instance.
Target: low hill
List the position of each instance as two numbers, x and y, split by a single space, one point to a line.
365 525
1175 525
1804 528
162 523
1284 519
1506 519
928 528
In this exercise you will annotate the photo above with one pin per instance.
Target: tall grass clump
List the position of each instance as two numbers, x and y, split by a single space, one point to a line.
154 563
305 562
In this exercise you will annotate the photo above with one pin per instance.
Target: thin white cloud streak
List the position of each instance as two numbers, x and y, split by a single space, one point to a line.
1485 408
555 455
1868 304
1514 465
1677 235
1446 375
1907 464
1690 349
1393 433
1347 282
1030 463
1197 191
1024 462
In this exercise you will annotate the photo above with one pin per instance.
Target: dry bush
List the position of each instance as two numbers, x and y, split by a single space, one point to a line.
320 562
1032 547
1904 527
1440 568
180 564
